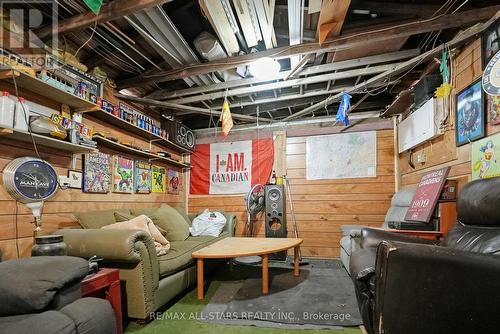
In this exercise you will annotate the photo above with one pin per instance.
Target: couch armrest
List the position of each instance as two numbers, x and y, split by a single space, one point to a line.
431 289
231 222
131 251
112 245
372 237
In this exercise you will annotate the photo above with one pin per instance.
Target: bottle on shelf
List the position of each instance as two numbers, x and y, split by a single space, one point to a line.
21 115
6 110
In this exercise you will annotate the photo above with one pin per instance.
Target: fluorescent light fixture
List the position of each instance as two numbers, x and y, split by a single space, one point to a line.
264 68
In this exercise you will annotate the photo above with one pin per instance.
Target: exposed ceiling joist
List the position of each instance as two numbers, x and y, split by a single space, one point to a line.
396 8
173 106
331 18
110 11
457 41
287 83
388 57
358 39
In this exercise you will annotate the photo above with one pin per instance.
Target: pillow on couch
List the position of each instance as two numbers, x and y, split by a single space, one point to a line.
170 220
98 219
145 224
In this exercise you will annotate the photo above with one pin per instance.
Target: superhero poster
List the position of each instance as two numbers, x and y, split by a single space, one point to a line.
96 173
174 182
159 179
485 158
123 175
142 177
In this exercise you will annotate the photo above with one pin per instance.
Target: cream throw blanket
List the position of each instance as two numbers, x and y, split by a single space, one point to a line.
145 224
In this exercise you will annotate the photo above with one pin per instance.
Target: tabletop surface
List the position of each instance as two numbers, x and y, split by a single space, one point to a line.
242 246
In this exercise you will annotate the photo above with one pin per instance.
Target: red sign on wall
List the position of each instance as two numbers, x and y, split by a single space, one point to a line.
427 195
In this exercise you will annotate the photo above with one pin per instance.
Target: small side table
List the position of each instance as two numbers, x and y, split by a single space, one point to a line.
106 284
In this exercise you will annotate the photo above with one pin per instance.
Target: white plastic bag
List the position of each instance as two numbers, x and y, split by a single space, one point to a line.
208 224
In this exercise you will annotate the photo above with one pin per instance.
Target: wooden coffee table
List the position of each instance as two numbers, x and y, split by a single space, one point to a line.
229 248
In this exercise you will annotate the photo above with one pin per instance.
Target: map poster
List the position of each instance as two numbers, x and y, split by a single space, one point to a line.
485 155
123 175
174 182
142 177
426 197
96 172
341 156
158 178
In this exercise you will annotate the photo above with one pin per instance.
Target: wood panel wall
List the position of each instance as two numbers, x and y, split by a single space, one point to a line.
15 228
321 206
442 151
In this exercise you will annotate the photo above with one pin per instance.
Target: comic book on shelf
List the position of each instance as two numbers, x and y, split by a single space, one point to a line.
159 179
96 172
174 182
123 175
142 177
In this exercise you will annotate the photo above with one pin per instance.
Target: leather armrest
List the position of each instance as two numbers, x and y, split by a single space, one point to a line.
432 289
112 245
372 237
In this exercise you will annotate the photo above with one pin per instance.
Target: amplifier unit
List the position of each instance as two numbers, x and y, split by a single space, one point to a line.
275 217
181 135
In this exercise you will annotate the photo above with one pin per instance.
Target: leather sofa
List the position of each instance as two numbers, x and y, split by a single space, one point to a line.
409 285
150 281
43 295
350 241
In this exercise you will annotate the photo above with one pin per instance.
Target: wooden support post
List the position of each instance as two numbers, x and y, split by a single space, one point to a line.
265 274
200 278
296 270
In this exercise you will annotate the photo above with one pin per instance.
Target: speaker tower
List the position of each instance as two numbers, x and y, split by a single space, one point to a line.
275 216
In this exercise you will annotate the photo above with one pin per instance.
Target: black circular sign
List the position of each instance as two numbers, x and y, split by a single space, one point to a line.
491 76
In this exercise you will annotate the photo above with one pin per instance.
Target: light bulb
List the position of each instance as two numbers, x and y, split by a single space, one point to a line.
264 67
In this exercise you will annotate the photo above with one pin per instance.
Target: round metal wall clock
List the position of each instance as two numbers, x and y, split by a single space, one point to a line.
29 179
491 76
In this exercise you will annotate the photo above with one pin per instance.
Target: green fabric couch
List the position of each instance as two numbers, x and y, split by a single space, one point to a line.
150 281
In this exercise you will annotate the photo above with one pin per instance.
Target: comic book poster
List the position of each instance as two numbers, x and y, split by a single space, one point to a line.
142 177
174 182
485 155
96 172
159 179
123 175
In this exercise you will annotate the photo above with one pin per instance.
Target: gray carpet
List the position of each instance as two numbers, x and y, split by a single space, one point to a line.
322 297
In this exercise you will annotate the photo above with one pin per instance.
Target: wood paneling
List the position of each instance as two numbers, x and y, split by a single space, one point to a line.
321 206
442 151
15 227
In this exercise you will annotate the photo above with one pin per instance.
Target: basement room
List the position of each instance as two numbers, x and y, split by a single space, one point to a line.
249 166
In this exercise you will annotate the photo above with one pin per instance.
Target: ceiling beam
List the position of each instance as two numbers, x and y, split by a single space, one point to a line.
396 8
457 41
287 83
110 11
358 39
331 18
173 106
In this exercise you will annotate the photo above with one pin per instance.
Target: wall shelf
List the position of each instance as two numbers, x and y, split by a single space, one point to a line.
35 85
126 149
47 141
118 122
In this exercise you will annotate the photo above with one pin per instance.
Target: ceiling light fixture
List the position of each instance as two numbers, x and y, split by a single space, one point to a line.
264 68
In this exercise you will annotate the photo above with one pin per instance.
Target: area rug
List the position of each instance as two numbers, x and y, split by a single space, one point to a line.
322 297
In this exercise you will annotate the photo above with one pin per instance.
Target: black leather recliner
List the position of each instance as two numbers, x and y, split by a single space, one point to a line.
409 285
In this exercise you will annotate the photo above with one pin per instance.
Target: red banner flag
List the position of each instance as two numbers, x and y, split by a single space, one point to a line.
231 167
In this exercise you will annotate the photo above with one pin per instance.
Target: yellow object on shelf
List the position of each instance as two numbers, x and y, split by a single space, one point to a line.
17 66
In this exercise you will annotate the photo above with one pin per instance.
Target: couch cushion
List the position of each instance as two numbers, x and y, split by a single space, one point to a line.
143 211
168 219
30 284
179 256
183 213
98 219
46 322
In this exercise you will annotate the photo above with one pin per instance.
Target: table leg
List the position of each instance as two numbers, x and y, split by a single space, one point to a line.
200 278
265 274
296 255
113 295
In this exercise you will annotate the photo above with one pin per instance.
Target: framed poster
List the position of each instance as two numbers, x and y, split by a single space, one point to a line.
490 42
75 179
96 172
484 158
174 182
469 116
158 179
427 195
123 175
493 107
142 177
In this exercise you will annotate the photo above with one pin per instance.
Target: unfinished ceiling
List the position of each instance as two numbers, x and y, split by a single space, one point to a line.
183 57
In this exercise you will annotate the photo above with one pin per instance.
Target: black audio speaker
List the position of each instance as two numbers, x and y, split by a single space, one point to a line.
275 216
181 135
